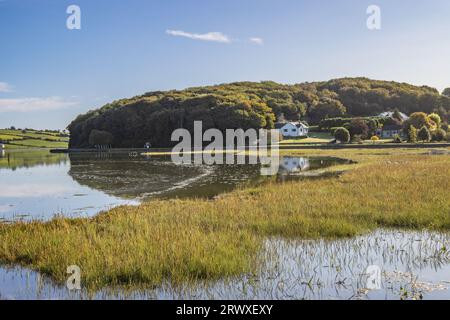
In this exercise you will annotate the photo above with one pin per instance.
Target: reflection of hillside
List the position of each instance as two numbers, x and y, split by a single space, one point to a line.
128 177
30 158
134 177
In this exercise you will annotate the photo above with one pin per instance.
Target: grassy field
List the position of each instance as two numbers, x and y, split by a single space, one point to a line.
314 137
18 139
186 240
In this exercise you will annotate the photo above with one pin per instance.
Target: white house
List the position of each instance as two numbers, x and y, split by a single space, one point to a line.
292 129
390 131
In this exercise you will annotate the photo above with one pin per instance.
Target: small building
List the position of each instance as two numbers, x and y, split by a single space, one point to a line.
292 129
390 131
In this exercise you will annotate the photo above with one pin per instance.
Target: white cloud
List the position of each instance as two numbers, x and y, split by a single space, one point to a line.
210 36
34 104
5 87
257 40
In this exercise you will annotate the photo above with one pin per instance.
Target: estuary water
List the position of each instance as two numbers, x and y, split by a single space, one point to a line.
386 264
37 185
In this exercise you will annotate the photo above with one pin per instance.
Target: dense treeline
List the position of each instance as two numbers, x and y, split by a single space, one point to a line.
153 116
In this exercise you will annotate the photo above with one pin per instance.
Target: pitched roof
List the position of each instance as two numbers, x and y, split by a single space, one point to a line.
280 125
390 114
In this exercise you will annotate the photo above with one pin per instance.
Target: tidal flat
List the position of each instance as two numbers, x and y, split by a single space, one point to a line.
184 242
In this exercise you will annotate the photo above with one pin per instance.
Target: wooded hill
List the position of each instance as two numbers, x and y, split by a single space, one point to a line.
152 117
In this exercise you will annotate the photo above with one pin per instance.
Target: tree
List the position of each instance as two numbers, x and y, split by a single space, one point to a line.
326 108
102 138
397 116
342 135
412 134
424 134
373 126
358 127
438 135
419 120
446 92
434 117
153 116
445 127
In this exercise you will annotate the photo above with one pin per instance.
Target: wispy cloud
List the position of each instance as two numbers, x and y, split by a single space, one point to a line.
210 36
257 40
5 87
34 104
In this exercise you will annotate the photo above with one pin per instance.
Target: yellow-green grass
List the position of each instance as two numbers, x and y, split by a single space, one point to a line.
186 240
8 137
36 143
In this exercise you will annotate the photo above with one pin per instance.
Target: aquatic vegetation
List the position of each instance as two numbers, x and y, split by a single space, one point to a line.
186 240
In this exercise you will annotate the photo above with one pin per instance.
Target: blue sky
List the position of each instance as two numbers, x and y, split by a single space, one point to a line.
49 74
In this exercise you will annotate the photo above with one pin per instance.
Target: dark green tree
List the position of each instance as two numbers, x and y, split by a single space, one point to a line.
342 135
424 134
102 138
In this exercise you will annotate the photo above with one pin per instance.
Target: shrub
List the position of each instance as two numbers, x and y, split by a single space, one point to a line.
424 134
358 126
375 139
397 139
333 130
342 135
412 134
444 127
435 118
438 135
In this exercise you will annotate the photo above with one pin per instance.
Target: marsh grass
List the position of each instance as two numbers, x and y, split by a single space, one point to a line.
187 240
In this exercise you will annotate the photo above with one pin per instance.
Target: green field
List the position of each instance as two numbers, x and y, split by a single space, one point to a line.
18 139
314 137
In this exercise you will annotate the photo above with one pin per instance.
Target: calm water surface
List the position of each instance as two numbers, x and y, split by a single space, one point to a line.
39 185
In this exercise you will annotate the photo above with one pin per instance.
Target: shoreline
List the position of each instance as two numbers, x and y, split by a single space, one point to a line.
162 151
156 237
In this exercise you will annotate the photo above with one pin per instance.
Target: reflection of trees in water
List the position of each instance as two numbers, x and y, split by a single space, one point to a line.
30 158
127 177
131 176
